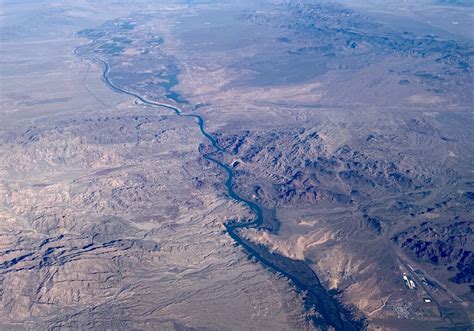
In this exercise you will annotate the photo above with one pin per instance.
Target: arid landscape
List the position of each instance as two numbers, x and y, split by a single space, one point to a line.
236 165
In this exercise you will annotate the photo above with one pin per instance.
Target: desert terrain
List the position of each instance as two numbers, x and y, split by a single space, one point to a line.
236 165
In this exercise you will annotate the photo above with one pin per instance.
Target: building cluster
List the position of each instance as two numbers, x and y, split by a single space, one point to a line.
409 282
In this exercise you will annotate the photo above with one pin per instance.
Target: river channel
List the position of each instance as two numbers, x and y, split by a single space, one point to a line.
299 273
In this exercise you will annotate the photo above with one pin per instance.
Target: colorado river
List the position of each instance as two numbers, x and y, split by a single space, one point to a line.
298 272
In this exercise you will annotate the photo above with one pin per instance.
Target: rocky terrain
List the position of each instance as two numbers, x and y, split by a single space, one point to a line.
110 219
96 234
349 128
362 201
353 144
437 244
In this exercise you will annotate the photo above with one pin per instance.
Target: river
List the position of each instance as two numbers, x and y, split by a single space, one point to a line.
299 273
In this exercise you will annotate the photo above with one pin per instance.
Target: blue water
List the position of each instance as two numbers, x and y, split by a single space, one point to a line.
332 314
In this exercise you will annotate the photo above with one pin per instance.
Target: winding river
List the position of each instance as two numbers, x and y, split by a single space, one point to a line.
332 314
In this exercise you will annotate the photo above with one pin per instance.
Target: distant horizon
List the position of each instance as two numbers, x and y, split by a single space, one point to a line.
236 165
